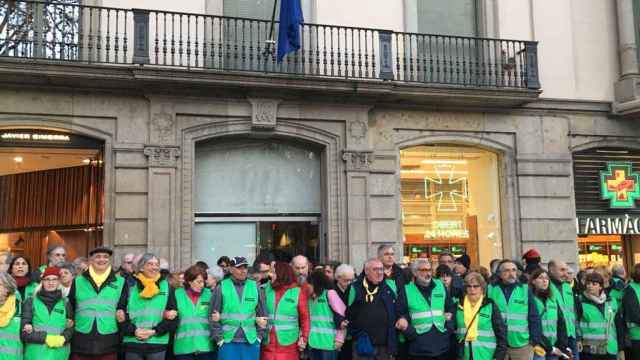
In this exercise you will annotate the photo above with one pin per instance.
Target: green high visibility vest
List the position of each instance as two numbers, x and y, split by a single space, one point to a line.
29 290
598 329
323 330
515 313
392 285
564 297
617 294
98 307
238 313
283 316
548 312
147 313
634 329
192 334
53 323
10 344
484 346
425 315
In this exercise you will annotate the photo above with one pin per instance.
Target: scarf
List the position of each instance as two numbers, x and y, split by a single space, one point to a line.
49 298
150 287
470 312
7 310
596 299
99 279
369 293
22 281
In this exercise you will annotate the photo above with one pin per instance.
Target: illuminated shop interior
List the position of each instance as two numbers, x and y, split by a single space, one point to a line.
450 202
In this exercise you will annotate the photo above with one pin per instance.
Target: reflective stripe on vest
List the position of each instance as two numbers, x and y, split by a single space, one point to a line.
599 329
10 344
426 314
283 315
322 335
148 312
564 297
53 323
97 307
548 312
484 346
192 334
515 312
238 313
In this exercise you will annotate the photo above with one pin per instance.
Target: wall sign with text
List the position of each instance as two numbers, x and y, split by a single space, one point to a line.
608 225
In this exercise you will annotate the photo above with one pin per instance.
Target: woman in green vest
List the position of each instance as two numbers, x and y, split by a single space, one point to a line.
47 320
554 331
288 313
598 320
20 269
10 306
151 313
326 309
192 339
482 333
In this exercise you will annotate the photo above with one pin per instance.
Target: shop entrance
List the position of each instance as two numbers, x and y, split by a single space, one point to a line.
51 193
254 196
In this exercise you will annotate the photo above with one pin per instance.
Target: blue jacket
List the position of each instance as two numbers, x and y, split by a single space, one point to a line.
389 300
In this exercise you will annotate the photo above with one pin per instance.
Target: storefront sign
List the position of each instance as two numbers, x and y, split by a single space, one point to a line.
608 225
620 185
12 136
446 229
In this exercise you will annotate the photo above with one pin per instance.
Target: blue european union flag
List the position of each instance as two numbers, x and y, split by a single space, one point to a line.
289 30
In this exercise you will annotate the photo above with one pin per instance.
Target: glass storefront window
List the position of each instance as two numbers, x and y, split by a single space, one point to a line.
450 202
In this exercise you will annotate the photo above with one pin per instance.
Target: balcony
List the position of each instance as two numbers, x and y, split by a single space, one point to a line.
64 44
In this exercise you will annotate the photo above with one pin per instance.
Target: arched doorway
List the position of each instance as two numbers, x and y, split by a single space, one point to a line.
255 196
51 192
450 202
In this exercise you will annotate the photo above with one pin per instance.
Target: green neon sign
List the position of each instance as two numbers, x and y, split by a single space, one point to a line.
620 185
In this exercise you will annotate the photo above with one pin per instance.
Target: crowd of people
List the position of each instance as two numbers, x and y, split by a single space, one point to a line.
288 309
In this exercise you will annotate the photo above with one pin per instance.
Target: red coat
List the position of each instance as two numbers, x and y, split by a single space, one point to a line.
275 351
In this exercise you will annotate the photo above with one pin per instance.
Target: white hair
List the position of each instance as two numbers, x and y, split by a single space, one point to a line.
417 262
343 269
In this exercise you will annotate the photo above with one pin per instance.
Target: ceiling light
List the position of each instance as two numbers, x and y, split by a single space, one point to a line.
86 161
18 159
443 161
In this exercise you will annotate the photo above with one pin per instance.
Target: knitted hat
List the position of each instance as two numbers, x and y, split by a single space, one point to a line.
531 254
51 270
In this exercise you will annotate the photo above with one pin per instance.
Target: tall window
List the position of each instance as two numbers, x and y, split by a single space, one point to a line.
450 202
451 17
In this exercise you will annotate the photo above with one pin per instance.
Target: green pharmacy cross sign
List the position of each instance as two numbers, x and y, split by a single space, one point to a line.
620 185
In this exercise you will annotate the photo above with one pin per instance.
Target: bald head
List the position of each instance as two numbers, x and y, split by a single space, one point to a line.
300 265
558 269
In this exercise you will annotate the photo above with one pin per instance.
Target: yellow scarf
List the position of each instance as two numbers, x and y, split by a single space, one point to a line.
99 279
369 294
469 314
150 288
7 310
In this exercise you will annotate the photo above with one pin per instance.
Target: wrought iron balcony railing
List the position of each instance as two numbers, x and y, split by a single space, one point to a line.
70 32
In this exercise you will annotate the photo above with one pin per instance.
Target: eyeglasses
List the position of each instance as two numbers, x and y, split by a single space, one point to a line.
377 269
471 286
424 270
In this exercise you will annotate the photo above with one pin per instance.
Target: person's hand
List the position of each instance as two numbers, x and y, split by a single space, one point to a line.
54 341
215 316
557 352
27 329
337 344
301 344
261 321
170 314
344 324
539 350
448 316
579 346
621 355
69 324
120 316
144 334
402 324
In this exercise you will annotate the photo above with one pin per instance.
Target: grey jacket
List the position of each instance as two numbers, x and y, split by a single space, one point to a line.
216 305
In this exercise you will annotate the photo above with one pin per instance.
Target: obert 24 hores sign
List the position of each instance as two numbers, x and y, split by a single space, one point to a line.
620 186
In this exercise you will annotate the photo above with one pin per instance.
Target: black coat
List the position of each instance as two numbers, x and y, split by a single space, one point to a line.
389 300
38 337
94 343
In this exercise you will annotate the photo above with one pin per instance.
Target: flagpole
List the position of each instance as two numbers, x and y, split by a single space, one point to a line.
270 42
